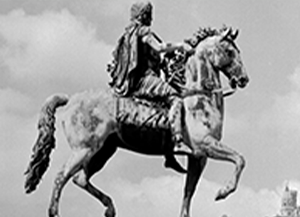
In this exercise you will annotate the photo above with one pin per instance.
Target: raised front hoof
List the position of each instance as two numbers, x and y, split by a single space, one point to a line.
110 212
223 193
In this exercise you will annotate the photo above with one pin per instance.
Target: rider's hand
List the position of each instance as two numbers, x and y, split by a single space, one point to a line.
188 49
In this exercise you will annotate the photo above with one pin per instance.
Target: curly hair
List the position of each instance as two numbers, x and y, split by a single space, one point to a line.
139 8
203 33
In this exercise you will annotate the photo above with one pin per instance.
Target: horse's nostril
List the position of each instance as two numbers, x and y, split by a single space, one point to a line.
243 81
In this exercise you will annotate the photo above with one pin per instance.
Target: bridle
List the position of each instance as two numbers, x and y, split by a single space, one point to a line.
192 92
180 66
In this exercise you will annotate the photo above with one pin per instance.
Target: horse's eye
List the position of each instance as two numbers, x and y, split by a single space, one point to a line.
230 53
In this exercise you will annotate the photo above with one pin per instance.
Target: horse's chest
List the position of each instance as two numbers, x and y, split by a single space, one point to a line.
203 118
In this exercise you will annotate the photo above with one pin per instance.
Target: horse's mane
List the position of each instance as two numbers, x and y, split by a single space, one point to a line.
203 33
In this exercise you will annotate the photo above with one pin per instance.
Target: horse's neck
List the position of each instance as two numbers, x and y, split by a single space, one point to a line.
200 70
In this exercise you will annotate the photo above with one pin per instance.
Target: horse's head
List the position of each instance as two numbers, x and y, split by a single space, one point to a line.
224 55
228 59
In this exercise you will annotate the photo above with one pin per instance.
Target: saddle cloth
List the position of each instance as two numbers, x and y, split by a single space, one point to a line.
142 113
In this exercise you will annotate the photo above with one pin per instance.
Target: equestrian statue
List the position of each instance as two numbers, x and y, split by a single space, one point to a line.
166 99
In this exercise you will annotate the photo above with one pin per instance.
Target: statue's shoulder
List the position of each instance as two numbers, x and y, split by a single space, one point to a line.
144 30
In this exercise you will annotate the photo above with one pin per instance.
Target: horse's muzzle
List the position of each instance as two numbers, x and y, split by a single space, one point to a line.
240 82
243 81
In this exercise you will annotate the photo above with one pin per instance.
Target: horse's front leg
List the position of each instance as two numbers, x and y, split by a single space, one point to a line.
216 150
195 168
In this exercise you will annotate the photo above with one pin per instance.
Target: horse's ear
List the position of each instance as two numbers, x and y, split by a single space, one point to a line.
234 35
226 33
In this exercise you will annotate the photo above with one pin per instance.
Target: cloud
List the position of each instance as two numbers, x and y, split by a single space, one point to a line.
16 111
13 101
161 196
282 118
18 131
116 8
234 125
53 50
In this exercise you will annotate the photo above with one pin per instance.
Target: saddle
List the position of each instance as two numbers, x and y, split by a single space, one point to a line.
141 112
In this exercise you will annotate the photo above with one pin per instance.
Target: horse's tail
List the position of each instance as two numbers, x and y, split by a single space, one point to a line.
45 142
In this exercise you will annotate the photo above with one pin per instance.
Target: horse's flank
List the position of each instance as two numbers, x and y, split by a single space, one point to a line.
91 116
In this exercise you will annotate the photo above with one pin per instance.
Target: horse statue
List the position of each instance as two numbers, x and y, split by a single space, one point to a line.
97 123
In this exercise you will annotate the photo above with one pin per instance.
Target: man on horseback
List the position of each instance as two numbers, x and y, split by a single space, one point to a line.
135 72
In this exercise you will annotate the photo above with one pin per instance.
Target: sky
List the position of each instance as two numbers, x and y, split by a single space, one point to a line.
63 46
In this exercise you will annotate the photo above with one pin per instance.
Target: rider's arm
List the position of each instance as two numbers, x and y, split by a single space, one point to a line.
156 43
160 46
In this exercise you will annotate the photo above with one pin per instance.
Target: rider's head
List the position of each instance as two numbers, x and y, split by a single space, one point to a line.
141 12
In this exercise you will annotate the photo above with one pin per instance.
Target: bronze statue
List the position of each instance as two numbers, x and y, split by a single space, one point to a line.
97 123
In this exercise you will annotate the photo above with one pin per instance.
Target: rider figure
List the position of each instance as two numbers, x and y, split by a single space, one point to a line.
135 71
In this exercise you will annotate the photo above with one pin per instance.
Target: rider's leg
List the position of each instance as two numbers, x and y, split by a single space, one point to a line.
175 117
152 87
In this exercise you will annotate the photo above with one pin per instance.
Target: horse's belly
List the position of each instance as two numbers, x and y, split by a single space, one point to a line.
145 140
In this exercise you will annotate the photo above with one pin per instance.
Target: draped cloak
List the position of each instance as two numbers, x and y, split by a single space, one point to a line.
125 57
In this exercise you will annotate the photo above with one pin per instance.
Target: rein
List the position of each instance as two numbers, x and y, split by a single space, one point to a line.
180 66
193 92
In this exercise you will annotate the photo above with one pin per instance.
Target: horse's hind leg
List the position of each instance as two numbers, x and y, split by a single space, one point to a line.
216 150
96 163
72 166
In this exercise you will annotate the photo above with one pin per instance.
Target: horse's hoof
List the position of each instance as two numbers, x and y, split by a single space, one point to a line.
110 212
220 196
223 193
184 214
53 213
